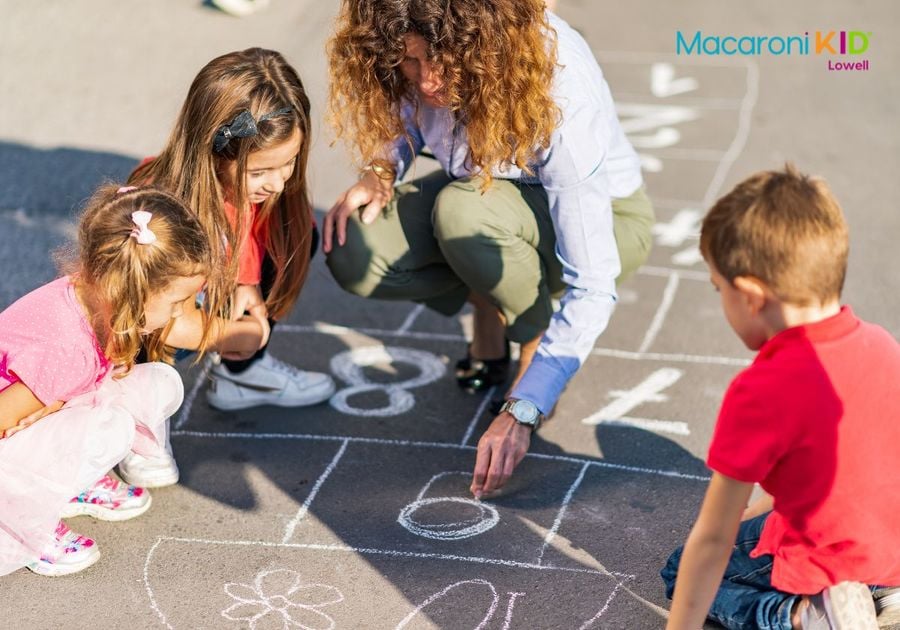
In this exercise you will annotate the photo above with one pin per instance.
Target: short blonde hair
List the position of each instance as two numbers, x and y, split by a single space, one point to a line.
784 228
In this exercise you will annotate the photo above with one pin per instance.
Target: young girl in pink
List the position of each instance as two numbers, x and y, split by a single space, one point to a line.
72 402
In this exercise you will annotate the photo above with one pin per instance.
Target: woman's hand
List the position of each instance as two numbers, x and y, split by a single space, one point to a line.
369 195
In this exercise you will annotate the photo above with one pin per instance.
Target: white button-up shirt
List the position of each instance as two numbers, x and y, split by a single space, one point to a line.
588 163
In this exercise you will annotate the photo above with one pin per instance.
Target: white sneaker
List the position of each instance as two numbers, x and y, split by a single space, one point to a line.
149 472
844 606
68 553
267 381
109 499
240 8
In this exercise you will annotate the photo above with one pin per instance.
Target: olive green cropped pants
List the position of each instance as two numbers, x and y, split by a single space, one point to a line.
438 239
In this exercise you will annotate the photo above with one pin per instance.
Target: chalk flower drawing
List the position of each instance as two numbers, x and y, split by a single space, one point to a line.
279 599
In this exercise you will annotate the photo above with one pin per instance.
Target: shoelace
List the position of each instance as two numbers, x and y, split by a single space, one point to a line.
286 368
66 541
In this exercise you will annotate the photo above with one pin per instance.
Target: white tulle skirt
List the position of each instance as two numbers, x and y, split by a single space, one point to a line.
45 465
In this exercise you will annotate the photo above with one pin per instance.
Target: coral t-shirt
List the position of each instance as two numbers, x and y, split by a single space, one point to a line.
47 343
252 248
815 420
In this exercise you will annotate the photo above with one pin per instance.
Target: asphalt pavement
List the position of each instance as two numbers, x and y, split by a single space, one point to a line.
356 514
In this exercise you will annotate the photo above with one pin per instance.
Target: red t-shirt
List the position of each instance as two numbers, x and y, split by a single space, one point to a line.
815 420
252 249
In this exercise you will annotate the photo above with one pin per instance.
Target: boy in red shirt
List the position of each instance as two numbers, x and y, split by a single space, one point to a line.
814 421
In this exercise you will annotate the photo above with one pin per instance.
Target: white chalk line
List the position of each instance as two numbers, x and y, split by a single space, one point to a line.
304 509
440 475
602 611
648 390
486 519
153 605
677 204
740 138
696 102
509 609
436 596
670 358
348 366
338 331
477 415
665 272
673 427
659 317
411 318
693 155
383 552
548 539
188 404
420 444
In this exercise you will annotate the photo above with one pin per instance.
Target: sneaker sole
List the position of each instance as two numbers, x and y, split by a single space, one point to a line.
150 481
247 403
851 607
58 570
101 513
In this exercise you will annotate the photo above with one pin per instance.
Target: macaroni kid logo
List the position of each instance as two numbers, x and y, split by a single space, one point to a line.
832 43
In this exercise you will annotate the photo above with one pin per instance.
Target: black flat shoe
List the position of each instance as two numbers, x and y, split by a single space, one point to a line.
477 375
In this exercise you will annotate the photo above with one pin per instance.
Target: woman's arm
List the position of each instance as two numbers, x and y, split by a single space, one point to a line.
707 551
20 408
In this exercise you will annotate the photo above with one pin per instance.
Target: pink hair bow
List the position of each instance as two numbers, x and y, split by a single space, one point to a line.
143 234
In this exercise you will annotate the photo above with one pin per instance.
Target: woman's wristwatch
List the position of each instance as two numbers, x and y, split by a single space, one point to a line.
524 412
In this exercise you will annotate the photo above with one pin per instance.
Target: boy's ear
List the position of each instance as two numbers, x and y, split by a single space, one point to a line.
754 291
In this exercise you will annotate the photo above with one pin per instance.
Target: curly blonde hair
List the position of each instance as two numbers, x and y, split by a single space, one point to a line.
496 57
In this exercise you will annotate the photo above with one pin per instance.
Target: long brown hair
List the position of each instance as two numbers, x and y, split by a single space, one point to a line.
119 274
495 59
259 81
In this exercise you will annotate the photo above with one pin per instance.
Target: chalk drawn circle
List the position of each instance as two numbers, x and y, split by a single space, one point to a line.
348 366
399 401
486 518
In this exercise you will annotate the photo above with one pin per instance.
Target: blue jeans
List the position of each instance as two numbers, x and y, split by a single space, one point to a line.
745 598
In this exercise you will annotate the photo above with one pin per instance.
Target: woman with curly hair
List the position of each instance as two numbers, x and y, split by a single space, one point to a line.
540 194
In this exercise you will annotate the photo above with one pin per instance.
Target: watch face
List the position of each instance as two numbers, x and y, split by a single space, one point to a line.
524 411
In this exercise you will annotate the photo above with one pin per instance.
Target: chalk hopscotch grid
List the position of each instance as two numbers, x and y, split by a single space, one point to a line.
570 459
620 578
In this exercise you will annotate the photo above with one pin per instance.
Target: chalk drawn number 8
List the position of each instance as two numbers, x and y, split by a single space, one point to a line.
348 366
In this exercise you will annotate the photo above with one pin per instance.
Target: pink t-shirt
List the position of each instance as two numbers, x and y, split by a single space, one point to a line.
47 343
